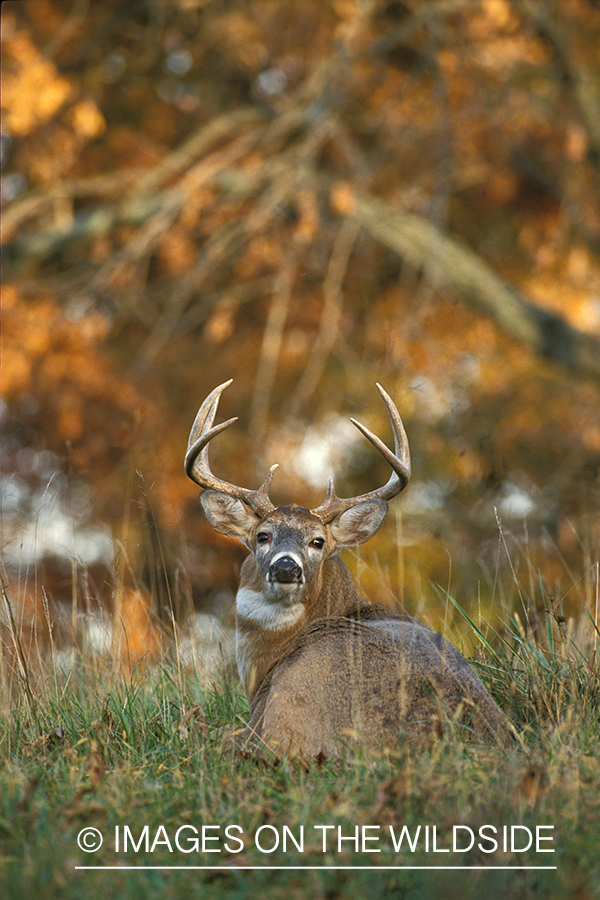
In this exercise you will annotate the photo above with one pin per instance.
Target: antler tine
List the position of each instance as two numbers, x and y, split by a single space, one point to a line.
399 460
197 464
196 458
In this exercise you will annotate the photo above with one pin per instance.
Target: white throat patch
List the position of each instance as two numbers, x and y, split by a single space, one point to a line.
272 615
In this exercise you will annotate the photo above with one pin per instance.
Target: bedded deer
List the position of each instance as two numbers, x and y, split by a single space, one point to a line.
321 666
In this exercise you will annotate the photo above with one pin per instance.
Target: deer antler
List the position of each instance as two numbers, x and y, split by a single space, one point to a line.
196 459
198 469
399 460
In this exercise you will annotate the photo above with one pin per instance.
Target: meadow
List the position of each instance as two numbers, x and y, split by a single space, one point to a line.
138 762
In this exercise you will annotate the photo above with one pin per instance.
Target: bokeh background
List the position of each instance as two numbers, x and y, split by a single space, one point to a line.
308 197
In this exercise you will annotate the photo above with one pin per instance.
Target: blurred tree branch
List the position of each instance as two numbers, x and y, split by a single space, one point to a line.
446 260
452 265
141 191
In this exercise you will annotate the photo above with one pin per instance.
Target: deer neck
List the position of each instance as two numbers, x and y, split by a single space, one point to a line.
265 629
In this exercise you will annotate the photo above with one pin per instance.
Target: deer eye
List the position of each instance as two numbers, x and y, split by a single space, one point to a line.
317 542
263 537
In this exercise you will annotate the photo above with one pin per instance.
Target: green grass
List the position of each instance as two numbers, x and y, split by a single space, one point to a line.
89 749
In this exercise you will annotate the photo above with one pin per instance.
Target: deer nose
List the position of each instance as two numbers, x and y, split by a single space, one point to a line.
285 570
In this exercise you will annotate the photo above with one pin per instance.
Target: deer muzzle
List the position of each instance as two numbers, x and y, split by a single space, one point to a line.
285 570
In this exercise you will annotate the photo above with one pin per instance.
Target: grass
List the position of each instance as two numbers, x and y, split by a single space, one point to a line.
141 760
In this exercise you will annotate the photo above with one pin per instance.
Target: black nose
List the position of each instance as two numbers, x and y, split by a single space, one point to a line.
285 570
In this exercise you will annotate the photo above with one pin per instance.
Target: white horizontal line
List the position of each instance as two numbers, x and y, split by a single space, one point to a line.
329 868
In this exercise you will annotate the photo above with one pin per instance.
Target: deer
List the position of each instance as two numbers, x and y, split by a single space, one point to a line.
324 669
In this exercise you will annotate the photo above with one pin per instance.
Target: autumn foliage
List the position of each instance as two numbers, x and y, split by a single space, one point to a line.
309 198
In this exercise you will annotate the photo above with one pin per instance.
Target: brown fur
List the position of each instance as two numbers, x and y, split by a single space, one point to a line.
365 676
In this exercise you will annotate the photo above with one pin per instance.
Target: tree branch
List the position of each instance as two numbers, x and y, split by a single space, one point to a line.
453 266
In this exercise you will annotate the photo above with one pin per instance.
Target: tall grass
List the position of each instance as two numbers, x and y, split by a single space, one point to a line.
141 748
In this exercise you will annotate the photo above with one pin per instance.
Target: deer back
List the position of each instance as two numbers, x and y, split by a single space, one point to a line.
375 680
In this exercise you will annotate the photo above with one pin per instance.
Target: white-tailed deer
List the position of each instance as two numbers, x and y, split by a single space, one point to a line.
321 666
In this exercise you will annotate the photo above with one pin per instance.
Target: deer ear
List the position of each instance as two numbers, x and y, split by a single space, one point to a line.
359 523
227 515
